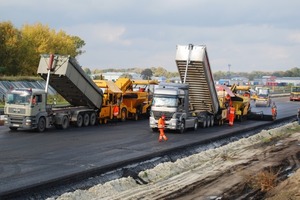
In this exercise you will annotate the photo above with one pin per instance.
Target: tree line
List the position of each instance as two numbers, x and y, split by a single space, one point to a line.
20 51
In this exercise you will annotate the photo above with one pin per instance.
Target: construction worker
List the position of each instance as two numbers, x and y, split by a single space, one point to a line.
231 115
115 113
33 101
228 104
228 101
274 111
161 127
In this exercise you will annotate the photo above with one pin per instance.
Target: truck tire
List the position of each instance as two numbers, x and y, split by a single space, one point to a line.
136 116
195 125
41 126
79 120
154 130
204 123
182 127
86 119
93 119
13 128
207 121
123 114
65 122
212 121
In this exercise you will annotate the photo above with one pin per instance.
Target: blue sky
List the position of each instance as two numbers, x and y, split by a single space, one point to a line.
248 35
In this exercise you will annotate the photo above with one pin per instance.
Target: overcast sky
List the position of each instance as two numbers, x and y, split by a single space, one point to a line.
248 35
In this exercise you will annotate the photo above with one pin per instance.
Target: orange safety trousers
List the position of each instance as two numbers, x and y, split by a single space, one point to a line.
231 116
162 135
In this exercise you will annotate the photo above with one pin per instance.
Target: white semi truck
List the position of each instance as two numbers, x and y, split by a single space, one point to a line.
27 108
192 102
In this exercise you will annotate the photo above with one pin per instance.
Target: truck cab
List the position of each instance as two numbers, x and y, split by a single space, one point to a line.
24 107
172 101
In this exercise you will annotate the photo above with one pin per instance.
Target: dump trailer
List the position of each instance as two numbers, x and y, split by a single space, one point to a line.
196 95
27 108
194 69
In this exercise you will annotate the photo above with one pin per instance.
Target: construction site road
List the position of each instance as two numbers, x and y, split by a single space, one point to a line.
29 158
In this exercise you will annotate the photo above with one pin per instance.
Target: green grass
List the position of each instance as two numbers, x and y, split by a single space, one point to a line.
20 78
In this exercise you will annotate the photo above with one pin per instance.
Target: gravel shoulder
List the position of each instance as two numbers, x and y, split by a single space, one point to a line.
263 166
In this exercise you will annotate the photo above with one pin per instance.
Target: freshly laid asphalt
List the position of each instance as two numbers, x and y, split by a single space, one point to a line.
28 158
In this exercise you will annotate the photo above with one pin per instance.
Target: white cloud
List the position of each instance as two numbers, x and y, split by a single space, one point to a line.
99 33
249 35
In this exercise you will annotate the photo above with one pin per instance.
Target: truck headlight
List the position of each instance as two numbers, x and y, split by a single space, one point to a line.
28 122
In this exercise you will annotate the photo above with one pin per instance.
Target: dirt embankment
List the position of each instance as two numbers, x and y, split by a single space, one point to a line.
268 174
262 166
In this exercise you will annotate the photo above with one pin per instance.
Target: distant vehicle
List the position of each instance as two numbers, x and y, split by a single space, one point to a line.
263 97
295 93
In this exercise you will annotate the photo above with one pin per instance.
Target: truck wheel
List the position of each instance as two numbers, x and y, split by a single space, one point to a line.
154 129
204 123
79 121
208 121
123 114
41 126
136 116
182 127
212 121
13 128
195 125
86 119
65 122
93 119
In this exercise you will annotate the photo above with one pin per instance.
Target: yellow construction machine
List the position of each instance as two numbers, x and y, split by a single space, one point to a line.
136 96
111 98
133 97
241 101
263 98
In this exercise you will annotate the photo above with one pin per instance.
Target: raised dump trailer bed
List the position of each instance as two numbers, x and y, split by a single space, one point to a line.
27 108
194 69
70 81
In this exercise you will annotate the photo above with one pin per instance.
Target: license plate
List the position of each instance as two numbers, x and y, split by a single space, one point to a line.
15 125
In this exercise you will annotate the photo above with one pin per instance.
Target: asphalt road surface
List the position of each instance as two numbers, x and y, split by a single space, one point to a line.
29 158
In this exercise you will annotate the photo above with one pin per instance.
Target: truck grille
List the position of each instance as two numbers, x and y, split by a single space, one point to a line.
16 111
16 120
158 114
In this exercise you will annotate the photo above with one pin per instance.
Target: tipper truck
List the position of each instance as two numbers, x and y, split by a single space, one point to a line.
192 102
27 108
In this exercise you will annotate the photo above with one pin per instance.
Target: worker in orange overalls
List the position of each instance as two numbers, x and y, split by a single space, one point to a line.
161 127
228 104
274 111
115 113
231 115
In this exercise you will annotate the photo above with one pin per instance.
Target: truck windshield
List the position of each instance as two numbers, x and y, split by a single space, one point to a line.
263 92
295 89
165 101
18 98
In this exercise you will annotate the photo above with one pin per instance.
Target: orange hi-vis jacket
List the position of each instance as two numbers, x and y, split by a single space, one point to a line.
161 123
116 111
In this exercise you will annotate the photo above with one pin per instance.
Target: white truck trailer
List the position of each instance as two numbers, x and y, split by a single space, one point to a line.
192 102
27 108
